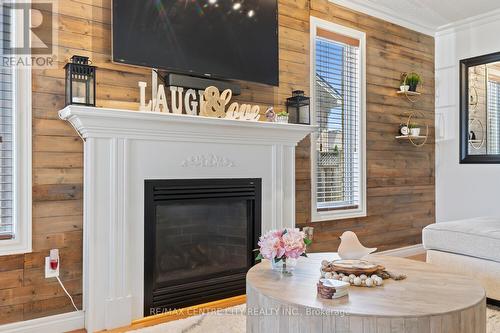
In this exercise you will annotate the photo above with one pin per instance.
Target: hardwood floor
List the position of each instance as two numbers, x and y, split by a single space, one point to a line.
176 315
419 257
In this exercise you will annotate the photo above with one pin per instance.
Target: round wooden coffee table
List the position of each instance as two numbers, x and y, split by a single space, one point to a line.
429 300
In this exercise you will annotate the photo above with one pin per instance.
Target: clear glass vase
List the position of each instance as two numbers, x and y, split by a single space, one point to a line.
284 266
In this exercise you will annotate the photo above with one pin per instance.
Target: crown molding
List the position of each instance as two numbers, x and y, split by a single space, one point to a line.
468 23
387 14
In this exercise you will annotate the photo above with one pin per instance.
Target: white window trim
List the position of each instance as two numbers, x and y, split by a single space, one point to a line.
361 36
22 214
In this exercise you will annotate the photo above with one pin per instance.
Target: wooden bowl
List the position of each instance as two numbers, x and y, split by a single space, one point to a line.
356 267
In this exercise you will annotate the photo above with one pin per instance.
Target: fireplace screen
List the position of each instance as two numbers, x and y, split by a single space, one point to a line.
199 236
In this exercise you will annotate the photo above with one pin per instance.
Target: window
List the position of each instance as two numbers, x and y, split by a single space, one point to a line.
493 134
15 144
338 108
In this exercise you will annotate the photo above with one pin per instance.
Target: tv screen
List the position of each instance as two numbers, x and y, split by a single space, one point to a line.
216 38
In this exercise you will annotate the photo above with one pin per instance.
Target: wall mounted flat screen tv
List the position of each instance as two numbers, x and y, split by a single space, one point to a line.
235 40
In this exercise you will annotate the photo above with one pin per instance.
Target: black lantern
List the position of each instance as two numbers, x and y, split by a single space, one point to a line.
80 81
298 108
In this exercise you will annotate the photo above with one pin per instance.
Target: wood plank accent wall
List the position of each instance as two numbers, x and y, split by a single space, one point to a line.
400 177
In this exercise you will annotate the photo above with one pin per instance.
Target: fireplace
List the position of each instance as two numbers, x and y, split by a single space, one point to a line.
123 148
198 240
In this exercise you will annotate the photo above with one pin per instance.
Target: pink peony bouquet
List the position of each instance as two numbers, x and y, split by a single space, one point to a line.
282 244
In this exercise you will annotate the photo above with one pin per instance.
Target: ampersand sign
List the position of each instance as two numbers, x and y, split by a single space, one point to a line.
215 103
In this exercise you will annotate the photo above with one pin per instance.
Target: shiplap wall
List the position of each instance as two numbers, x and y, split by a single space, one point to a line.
400 177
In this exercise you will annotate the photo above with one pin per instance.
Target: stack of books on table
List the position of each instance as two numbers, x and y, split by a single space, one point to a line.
341 288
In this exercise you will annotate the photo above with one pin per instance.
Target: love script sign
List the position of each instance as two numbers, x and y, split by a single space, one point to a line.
209 103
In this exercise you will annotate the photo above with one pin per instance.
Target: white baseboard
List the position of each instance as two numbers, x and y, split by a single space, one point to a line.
406 251
52 324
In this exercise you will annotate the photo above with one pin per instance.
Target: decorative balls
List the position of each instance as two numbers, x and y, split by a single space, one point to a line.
374 280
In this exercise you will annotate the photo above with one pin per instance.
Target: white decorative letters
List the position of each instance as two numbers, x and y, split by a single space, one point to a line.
142 97
190 103
210 101
202 102
173 94
243 112
161 100
232 111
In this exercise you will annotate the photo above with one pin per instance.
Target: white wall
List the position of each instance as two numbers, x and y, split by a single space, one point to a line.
462 190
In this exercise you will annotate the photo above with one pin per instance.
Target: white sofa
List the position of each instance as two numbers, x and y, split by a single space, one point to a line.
468 247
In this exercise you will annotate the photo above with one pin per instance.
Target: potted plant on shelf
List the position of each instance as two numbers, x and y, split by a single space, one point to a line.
283 247
404 85
413 80
414 129
282 117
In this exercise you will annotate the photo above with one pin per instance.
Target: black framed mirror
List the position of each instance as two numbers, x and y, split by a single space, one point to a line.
480 109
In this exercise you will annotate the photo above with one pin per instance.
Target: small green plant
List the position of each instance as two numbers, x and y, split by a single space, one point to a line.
413 125
413 80
282 113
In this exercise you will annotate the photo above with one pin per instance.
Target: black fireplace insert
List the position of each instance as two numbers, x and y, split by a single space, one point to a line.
198 240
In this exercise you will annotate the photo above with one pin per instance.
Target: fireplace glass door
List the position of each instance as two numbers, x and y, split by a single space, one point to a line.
199 236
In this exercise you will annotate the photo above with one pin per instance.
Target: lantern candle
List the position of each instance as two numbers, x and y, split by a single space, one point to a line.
80 81
298 108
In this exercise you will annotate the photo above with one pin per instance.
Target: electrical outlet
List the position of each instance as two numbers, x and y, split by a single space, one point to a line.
49 272
52 264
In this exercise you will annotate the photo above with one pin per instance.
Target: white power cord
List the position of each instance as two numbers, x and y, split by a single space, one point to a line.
71 298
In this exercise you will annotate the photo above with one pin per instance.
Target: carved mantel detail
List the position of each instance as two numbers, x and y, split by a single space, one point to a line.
207 161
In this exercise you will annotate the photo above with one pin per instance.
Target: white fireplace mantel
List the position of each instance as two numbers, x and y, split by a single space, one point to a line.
123 148
111 123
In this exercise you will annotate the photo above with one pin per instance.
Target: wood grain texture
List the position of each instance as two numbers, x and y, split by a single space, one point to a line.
429 300
400 177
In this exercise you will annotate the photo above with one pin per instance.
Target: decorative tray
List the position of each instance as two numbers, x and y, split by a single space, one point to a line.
356 267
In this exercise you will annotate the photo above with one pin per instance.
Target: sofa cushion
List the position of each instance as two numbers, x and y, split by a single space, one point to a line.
476 237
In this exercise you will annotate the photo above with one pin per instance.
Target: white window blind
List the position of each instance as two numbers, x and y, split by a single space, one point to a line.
338 182
6 138
15 134
493 134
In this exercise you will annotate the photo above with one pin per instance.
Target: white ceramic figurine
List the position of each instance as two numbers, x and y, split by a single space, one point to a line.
351 248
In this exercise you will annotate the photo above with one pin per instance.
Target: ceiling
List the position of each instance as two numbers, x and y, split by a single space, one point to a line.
428 16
